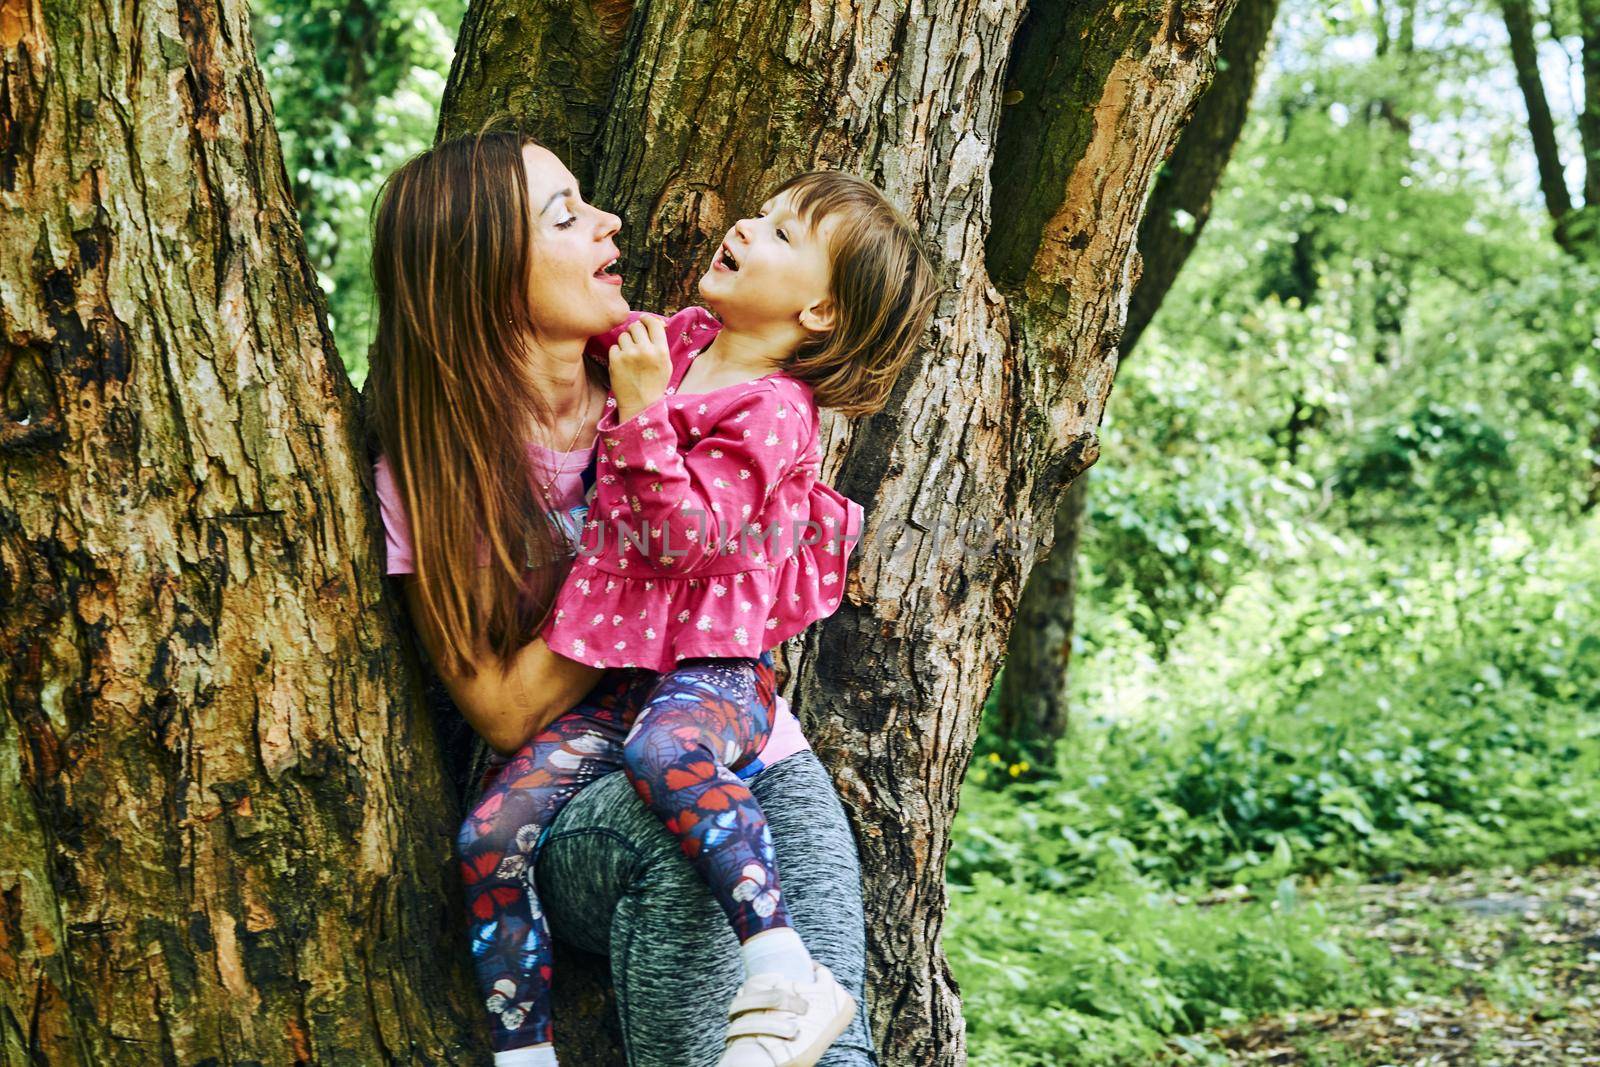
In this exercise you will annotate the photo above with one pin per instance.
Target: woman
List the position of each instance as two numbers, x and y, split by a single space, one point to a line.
491 274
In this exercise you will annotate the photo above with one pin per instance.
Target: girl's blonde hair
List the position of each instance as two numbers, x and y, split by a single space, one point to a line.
449 399
883 289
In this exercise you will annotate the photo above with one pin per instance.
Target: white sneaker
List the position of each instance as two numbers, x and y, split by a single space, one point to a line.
778 1022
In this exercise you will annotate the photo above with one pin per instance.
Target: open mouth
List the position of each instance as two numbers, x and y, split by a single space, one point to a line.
725 258
608 271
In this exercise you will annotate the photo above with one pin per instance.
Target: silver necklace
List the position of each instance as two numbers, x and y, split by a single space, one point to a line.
582 419
563 550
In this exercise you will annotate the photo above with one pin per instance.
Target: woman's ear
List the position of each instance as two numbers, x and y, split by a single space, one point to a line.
818 316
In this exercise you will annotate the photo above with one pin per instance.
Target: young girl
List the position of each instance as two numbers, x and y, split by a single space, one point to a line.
710 540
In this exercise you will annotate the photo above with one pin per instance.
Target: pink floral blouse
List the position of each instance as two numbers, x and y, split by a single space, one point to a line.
709 533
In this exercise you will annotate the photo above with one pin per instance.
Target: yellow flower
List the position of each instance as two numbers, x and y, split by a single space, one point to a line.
994 757
1015 769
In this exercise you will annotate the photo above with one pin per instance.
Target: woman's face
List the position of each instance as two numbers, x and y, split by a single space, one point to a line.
571 291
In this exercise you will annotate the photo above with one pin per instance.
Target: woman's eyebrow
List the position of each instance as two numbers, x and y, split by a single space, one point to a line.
554 197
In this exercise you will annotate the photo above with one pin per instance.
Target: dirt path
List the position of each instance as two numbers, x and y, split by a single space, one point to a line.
1506 968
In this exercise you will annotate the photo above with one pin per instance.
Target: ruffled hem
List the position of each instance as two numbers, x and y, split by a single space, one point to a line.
610 619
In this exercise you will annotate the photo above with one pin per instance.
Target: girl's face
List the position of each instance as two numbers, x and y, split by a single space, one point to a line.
772 268
572 289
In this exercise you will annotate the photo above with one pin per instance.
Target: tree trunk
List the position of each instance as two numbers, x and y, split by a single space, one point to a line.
550 63
1589 114
1180 203
682 125
1541 126
220 797
1033 687
1033 698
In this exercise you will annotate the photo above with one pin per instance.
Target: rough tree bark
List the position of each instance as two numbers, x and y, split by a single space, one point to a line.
1033 704
681 121
219 792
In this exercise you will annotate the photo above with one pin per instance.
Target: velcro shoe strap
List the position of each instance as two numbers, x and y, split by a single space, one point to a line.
767 999
764 1024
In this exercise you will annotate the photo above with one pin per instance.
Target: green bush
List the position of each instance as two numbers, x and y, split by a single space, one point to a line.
1106 977
1430 712
1437 463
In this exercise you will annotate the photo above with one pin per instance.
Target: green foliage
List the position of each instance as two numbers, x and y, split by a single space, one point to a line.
1435 463
355 90
1367 711
1106 977
1375 335
1382 711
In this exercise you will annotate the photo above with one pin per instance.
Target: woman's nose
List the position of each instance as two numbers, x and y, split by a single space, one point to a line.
609 224
739 229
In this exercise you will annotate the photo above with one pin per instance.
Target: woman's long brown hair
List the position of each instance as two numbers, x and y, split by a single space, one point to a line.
450 400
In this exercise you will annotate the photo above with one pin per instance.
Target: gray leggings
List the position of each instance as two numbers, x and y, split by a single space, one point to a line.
674 959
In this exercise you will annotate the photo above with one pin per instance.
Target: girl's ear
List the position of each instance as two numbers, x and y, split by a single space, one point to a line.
818 317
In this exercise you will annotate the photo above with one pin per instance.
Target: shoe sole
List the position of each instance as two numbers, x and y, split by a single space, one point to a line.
825 1040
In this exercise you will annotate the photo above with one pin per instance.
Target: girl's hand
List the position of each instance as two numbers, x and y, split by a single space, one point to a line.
641 366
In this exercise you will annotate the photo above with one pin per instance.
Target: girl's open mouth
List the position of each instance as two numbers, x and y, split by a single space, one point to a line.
725 259
605 273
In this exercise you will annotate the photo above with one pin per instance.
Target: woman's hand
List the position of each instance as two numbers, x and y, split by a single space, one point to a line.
641 366
506 708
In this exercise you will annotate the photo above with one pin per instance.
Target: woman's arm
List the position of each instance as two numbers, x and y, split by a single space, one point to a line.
506 709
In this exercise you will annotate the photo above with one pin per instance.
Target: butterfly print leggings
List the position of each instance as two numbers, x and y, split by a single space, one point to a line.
680 737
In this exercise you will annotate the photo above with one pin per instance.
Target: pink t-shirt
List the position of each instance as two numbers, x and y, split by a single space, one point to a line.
710 532
568 493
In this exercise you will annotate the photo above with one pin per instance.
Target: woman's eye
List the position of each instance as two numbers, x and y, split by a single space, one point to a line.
568 221
782 238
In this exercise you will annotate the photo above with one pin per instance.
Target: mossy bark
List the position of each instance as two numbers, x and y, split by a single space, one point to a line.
219 793
1033 704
